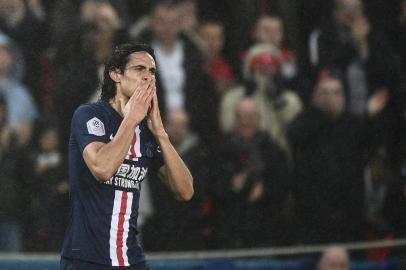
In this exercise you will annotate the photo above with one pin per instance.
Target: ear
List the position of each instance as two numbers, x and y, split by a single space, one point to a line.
115 75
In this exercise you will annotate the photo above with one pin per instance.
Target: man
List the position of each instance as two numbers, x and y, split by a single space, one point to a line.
328 144
334 257
182 82
114 143
251 183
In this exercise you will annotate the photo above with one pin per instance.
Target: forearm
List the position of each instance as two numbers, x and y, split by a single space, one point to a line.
177 175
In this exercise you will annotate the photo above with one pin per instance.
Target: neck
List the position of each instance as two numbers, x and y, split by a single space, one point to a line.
115 104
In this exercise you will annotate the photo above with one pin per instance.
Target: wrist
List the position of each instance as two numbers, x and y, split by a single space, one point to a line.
162 137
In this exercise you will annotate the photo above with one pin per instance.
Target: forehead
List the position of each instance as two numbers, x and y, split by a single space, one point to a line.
331 83
141 58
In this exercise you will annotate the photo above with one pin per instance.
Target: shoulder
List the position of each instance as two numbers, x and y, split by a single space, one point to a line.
89 112
91 107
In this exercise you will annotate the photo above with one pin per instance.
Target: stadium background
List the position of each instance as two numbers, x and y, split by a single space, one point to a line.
248 212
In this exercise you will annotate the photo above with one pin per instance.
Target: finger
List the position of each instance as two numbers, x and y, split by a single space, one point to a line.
140 88
150 93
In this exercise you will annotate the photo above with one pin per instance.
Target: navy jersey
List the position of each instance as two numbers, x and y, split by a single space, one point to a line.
103 225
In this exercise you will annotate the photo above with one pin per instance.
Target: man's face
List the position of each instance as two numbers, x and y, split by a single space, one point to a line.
9 7
347 11
166 23
269 30
139 69
329 96
213 37
335 260
177 126
247 117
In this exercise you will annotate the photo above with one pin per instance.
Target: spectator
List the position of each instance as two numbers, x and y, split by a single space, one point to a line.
278 105
334 258
212 35
270 30
364 56
251 184
44 176
180 86
384 201
79 67
10 220
21 110
28 29
187 226
328 147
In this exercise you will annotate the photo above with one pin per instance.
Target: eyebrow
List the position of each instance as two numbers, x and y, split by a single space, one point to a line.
142 67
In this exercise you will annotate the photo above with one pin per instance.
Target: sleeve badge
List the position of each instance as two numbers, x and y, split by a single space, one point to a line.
95 126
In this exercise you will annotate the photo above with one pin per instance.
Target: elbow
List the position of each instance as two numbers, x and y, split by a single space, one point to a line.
102 174
187 193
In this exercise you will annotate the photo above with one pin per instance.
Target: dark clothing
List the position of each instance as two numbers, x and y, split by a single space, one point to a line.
177 225
103 225
10 188
201 100
43 202
75 82
328 185
240 222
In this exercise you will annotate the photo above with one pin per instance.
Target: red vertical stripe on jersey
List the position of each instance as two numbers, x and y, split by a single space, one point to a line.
132 148
120 229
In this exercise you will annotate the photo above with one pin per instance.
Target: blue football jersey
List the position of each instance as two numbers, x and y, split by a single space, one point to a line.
103 225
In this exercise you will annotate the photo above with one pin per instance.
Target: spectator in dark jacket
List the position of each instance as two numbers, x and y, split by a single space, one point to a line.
182 82
328 148
251 183
176 225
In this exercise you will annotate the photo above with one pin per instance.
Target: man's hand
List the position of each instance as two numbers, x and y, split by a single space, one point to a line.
154 118
377 101
136 108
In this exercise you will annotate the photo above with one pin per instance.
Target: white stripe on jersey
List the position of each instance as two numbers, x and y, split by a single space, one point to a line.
127 226
136 147
119 256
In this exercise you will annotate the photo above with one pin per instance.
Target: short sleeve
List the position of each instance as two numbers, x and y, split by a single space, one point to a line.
89 125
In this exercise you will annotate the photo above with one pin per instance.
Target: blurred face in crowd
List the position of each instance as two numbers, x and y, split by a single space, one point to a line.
103 14
188 15
49 140
139 69
6 61
329 96
334 259
10 7
347 11
177 126
269 30
165 23
247 118
212 36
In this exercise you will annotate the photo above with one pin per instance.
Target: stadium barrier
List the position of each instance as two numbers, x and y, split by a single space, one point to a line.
286 258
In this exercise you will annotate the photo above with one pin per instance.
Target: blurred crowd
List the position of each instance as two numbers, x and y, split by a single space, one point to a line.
291 116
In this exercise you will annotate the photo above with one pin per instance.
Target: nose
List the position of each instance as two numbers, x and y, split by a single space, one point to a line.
146 78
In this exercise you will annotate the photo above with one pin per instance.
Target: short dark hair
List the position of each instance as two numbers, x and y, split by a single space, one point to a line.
119 60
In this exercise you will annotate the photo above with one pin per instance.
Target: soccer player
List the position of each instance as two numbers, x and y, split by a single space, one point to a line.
113 144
